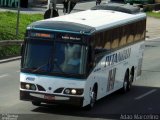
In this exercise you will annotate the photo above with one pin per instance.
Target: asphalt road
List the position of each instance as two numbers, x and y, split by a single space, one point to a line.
142 99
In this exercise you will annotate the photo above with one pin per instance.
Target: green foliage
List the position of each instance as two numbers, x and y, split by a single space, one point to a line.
9 51
154 14
8 22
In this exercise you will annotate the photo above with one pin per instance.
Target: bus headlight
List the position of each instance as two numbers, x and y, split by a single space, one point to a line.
73 91
27 86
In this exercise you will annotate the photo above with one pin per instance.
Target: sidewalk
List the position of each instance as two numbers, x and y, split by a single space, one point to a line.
153 28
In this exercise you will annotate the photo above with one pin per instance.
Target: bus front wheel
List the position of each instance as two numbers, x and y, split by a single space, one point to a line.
36 103
93 98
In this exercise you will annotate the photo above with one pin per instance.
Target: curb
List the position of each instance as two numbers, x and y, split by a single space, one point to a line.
10 59
157 39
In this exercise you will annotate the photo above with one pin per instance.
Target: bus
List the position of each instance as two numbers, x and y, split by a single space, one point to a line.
79 58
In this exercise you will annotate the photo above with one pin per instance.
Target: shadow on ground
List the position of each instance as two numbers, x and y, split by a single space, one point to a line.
110 107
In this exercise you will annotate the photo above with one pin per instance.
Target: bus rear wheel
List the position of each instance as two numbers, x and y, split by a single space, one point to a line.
127 83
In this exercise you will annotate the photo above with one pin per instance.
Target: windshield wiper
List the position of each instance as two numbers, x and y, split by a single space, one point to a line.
39 68
46 64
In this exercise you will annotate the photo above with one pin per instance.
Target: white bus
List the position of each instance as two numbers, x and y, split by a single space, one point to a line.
79 58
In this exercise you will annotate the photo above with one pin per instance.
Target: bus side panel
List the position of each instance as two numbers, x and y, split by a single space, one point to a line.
110 71
137 58
97 77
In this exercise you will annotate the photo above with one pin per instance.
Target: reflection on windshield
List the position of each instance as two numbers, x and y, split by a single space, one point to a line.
58 57
68 57
37 56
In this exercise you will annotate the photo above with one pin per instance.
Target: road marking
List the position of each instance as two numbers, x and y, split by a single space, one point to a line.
148 93
4 75
18 71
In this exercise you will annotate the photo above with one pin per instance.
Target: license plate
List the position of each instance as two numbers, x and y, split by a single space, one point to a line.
48 97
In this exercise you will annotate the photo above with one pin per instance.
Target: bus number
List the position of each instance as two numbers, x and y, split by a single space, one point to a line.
111 79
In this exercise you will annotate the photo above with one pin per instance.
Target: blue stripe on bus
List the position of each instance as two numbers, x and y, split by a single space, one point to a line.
63 31
65 78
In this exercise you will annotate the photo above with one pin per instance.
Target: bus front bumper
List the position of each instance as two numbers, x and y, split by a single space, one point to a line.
49 98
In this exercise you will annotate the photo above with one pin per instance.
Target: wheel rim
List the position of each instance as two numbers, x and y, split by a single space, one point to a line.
93 98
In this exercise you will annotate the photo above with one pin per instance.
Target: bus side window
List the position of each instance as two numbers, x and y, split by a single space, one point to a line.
130 33
107 38
115 38
90 59
97 44
102 44
123 36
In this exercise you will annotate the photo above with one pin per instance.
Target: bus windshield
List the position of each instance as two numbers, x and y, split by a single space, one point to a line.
54 57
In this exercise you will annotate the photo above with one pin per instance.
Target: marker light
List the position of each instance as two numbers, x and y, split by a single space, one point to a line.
67 91
33 87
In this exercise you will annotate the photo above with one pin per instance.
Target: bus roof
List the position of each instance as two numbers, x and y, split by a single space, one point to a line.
126 8
87 22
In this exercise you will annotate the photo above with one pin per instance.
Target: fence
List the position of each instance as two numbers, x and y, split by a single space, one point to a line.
10 42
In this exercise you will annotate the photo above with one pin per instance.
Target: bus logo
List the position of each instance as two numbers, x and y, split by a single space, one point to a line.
30 78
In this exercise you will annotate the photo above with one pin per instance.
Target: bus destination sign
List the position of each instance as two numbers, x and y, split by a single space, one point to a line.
71 38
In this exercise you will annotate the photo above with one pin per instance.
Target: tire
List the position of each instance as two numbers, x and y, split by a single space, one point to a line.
93 99
36 103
